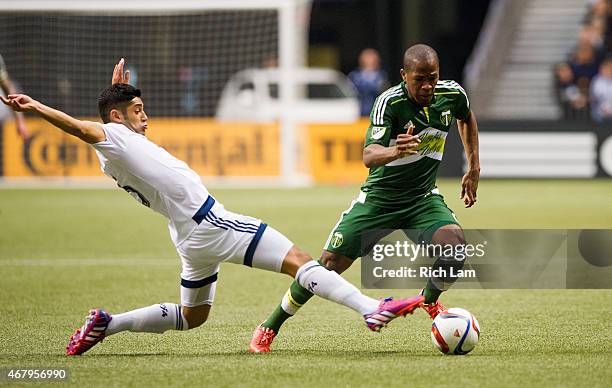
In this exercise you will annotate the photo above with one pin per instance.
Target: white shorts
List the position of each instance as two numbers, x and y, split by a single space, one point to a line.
223 236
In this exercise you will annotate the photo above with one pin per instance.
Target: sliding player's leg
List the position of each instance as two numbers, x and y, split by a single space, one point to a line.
296 296
314 278
198 286
342 248
331 286
157 318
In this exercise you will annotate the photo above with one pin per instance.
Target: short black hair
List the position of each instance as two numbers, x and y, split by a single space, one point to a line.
116 96
419 53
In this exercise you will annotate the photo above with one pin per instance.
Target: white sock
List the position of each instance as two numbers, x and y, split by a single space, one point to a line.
156 318
288 304
331 286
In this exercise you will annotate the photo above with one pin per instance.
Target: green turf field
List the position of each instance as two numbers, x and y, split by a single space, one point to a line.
64 251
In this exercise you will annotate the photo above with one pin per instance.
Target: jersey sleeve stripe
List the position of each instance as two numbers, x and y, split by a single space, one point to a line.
381 105
381 98
453 85
378 103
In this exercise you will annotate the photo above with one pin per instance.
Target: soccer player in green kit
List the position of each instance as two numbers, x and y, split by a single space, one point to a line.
403 149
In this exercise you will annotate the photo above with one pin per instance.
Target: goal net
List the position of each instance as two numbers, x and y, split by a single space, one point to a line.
181 53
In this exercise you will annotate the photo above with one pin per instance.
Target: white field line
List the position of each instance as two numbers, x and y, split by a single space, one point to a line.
171 262
96 183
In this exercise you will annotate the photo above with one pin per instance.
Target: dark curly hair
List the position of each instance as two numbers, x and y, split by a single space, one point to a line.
116 96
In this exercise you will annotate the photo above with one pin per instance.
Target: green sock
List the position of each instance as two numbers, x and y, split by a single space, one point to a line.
431 293
294 298
276 319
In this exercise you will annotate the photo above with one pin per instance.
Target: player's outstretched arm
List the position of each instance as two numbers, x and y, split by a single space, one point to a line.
468 129
88 131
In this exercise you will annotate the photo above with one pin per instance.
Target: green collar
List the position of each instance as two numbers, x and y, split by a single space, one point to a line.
418 108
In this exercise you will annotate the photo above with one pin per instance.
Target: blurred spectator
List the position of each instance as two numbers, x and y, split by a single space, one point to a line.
9 88
584 64
369 80
598 9
592 35
192 79
601 93
572 100
573 79
608 28
599 17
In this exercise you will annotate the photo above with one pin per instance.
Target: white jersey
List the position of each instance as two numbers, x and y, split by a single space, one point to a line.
153 177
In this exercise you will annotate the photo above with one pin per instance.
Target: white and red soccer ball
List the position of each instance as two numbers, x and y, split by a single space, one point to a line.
455 331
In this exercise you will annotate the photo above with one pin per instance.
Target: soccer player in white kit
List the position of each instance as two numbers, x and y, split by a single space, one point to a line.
204 232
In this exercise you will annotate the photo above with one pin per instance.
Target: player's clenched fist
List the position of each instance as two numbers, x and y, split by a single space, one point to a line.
407 144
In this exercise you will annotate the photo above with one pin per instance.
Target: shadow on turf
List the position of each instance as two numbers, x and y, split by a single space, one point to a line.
297 353
280 353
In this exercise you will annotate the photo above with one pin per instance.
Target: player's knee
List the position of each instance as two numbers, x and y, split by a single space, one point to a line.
449 235
335 262
294 260
196 316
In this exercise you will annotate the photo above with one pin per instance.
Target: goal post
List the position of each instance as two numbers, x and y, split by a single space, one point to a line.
182 53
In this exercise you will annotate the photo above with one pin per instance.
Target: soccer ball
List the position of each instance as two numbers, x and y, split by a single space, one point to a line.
455 331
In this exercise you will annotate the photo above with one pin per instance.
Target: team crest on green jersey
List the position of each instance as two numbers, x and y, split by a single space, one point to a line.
446 117
408 125
378 133
337 240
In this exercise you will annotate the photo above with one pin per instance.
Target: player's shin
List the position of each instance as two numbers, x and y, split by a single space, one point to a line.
156 318
295 297
444 270
329 285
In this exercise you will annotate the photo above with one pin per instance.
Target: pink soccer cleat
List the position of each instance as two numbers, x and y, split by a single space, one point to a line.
262 339
390 309
92 332
433 309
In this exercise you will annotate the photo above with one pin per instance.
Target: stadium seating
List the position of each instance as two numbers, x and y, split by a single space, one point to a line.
573 77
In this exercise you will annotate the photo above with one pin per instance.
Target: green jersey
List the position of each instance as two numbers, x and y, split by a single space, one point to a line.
402 180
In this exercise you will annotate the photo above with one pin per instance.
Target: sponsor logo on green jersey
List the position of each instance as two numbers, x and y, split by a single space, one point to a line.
432 146
432 142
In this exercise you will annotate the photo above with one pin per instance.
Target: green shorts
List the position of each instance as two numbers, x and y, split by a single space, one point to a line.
425 215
